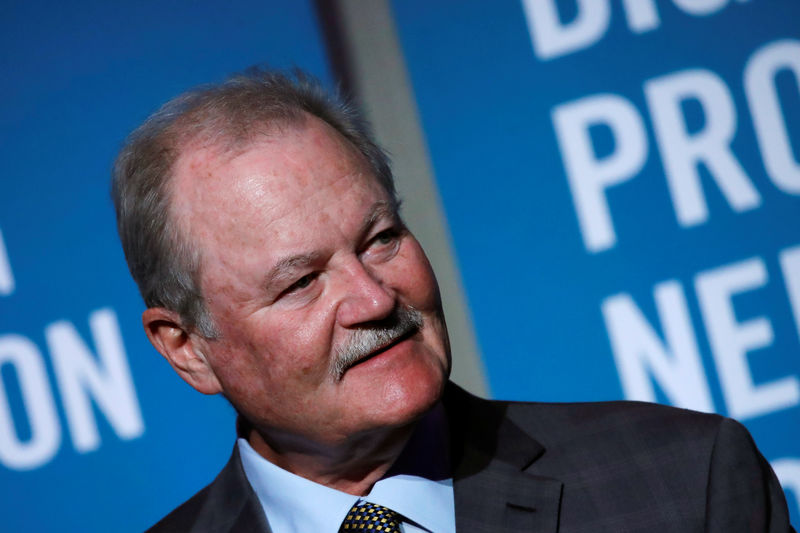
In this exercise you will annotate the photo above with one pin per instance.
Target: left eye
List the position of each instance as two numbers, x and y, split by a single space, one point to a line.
387 236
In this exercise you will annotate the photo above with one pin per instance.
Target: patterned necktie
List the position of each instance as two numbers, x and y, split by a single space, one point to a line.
371 517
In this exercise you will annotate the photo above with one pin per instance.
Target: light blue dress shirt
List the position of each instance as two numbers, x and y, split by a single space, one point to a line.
294 504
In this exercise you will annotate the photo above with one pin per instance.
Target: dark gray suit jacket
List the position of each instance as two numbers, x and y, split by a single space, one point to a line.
568 468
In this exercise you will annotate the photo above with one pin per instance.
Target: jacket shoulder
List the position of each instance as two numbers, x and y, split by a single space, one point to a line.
563 423
683 466
648 420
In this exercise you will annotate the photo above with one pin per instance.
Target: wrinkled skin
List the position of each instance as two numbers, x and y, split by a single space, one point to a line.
301 247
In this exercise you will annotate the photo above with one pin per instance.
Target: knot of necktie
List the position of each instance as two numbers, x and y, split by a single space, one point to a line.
371 517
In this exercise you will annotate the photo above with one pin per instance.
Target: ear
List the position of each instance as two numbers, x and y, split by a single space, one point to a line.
183 350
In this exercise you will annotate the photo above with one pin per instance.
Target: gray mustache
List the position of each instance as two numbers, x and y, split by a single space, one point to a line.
362 342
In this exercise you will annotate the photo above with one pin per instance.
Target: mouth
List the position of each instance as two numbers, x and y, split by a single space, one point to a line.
381 349
373 351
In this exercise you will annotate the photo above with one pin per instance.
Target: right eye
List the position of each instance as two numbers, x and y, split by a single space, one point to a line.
301 283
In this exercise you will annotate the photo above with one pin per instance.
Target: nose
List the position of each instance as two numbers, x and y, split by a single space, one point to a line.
365 297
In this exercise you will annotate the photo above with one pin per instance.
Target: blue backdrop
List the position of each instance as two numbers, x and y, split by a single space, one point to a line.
621 180
101 434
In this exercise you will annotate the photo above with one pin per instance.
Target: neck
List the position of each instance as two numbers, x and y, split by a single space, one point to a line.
352 466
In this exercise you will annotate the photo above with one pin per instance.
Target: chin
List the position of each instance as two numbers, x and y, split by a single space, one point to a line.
411 398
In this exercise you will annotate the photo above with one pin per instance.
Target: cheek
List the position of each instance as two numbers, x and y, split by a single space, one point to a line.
299 344
416 279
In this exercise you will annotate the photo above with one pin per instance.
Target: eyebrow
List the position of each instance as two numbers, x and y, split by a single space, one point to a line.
378 211
286 267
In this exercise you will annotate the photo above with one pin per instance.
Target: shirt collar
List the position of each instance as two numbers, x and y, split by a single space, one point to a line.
291 502
418 488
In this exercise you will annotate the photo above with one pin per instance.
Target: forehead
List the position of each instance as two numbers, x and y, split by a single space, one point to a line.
287 149
262 189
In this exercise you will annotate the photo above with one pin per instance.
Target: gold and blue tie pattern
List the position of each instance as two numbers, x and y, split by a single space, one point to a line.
370 517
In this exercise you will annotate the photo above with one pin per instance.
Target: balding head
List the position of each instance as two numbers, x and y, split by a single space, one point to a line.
223 118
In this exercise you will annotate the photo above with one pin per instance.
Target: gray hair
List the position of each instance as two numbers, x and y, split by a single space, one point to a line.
162 261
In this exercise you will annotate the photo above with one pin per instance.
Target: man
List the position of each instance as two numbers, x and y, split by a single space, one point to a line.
261 224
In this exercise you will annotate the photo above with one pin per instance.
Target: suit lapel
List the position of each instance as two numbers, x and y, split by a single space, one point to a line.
490 456
250 518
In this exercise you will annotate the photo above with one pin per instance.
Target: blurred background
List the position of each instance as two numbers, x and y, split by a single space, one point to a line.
609 191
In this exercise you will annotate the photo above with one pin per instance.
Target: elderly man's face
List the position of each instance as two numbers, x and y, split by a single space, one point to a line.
329 313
